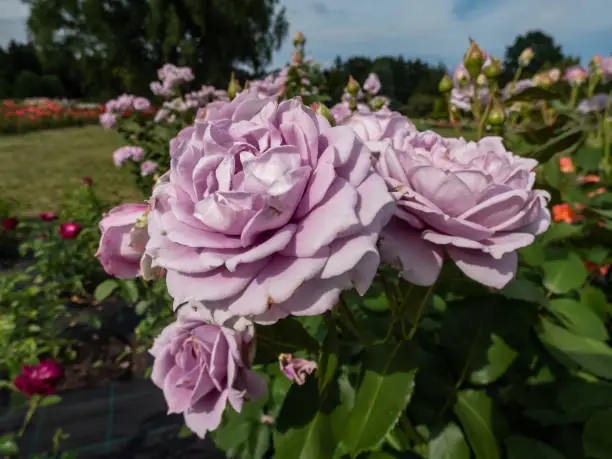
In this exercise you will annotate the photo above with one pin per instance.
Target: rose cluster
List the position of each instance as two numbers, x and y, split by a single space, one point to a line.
125 103
170 76
268 210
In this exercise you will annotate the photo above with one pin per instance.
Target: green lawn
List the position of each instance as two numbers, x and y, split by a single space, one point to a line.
35 166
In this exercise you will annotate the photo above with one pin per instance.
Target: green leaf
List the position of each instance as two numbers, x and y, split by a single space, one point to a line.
595 299
564 275
105 289
474 410
596 437
8 446
50 400
500 356
185 432
304 427
449 443
141 307
533 254
286 335
525 290
375 298
559 232
592 355
570 139
329 357
130 290
519 447
382 396
588 157
578 318
381 455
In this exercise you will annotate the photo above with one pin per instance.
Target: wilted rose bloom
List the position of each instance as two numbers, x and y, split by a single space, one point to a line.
576 76
141 104
372 84
472 200
267 211
554 75
69 230
565 213
147 168
39 379
566 165
47 216
296 369
108 120
9 223
375 127
202 363
526 57
123 241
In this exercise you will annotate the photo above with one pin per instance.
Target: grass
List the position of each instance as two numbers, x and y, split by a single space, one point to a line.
35 166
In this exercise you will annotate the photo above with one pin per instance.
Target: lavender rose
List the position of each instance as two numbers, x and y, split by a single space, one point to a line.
372 84
201 366
123 241
267 211
375 127
473 201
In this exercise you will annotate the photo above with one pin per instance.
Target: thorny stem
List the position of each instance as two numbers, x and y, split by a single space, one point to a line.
420 310
346 310
32 407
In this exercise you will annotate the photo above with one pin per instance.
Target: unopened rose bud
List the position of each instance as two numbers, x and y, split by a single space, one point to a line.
554 75
461 77
352 87
497 116
324 112
542 80
445 85
481 80
233 88
299 39
526 57
576 76
493 68
474 59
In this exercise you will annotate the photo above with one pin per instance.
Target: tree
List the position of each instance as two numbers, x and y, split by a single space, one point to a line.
123 42
545 49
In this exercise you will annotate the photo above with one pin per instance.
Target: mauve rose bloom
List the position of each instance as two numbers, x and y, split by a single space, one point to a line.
606 68
202 363
372 84
141 104
267 211
374 127
122 154
597 103
69 230
473 201
296 369
576 76
39 379
47 216
147 168
341 112
108 120
123 241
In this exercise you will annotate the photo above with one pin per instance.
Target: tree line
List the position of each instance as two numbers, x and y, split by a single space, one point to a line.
96 49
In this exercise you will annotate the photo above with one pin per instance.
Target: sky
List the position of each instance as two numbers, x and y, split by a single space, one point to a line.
433 30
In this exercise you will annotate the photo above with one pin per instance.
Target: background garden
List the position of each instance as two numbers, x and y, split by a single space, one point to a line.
459 369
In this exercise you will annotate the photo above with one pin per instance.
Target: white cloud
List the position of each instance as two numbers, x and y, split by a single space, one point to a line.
13 9
429 28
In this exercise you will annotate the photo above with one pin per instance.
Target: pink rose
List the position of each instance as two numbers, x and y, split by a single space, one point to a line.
472 201
202 365
69 230
123 241
383 125
148 167
267 212
108 120
372 84
39 379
